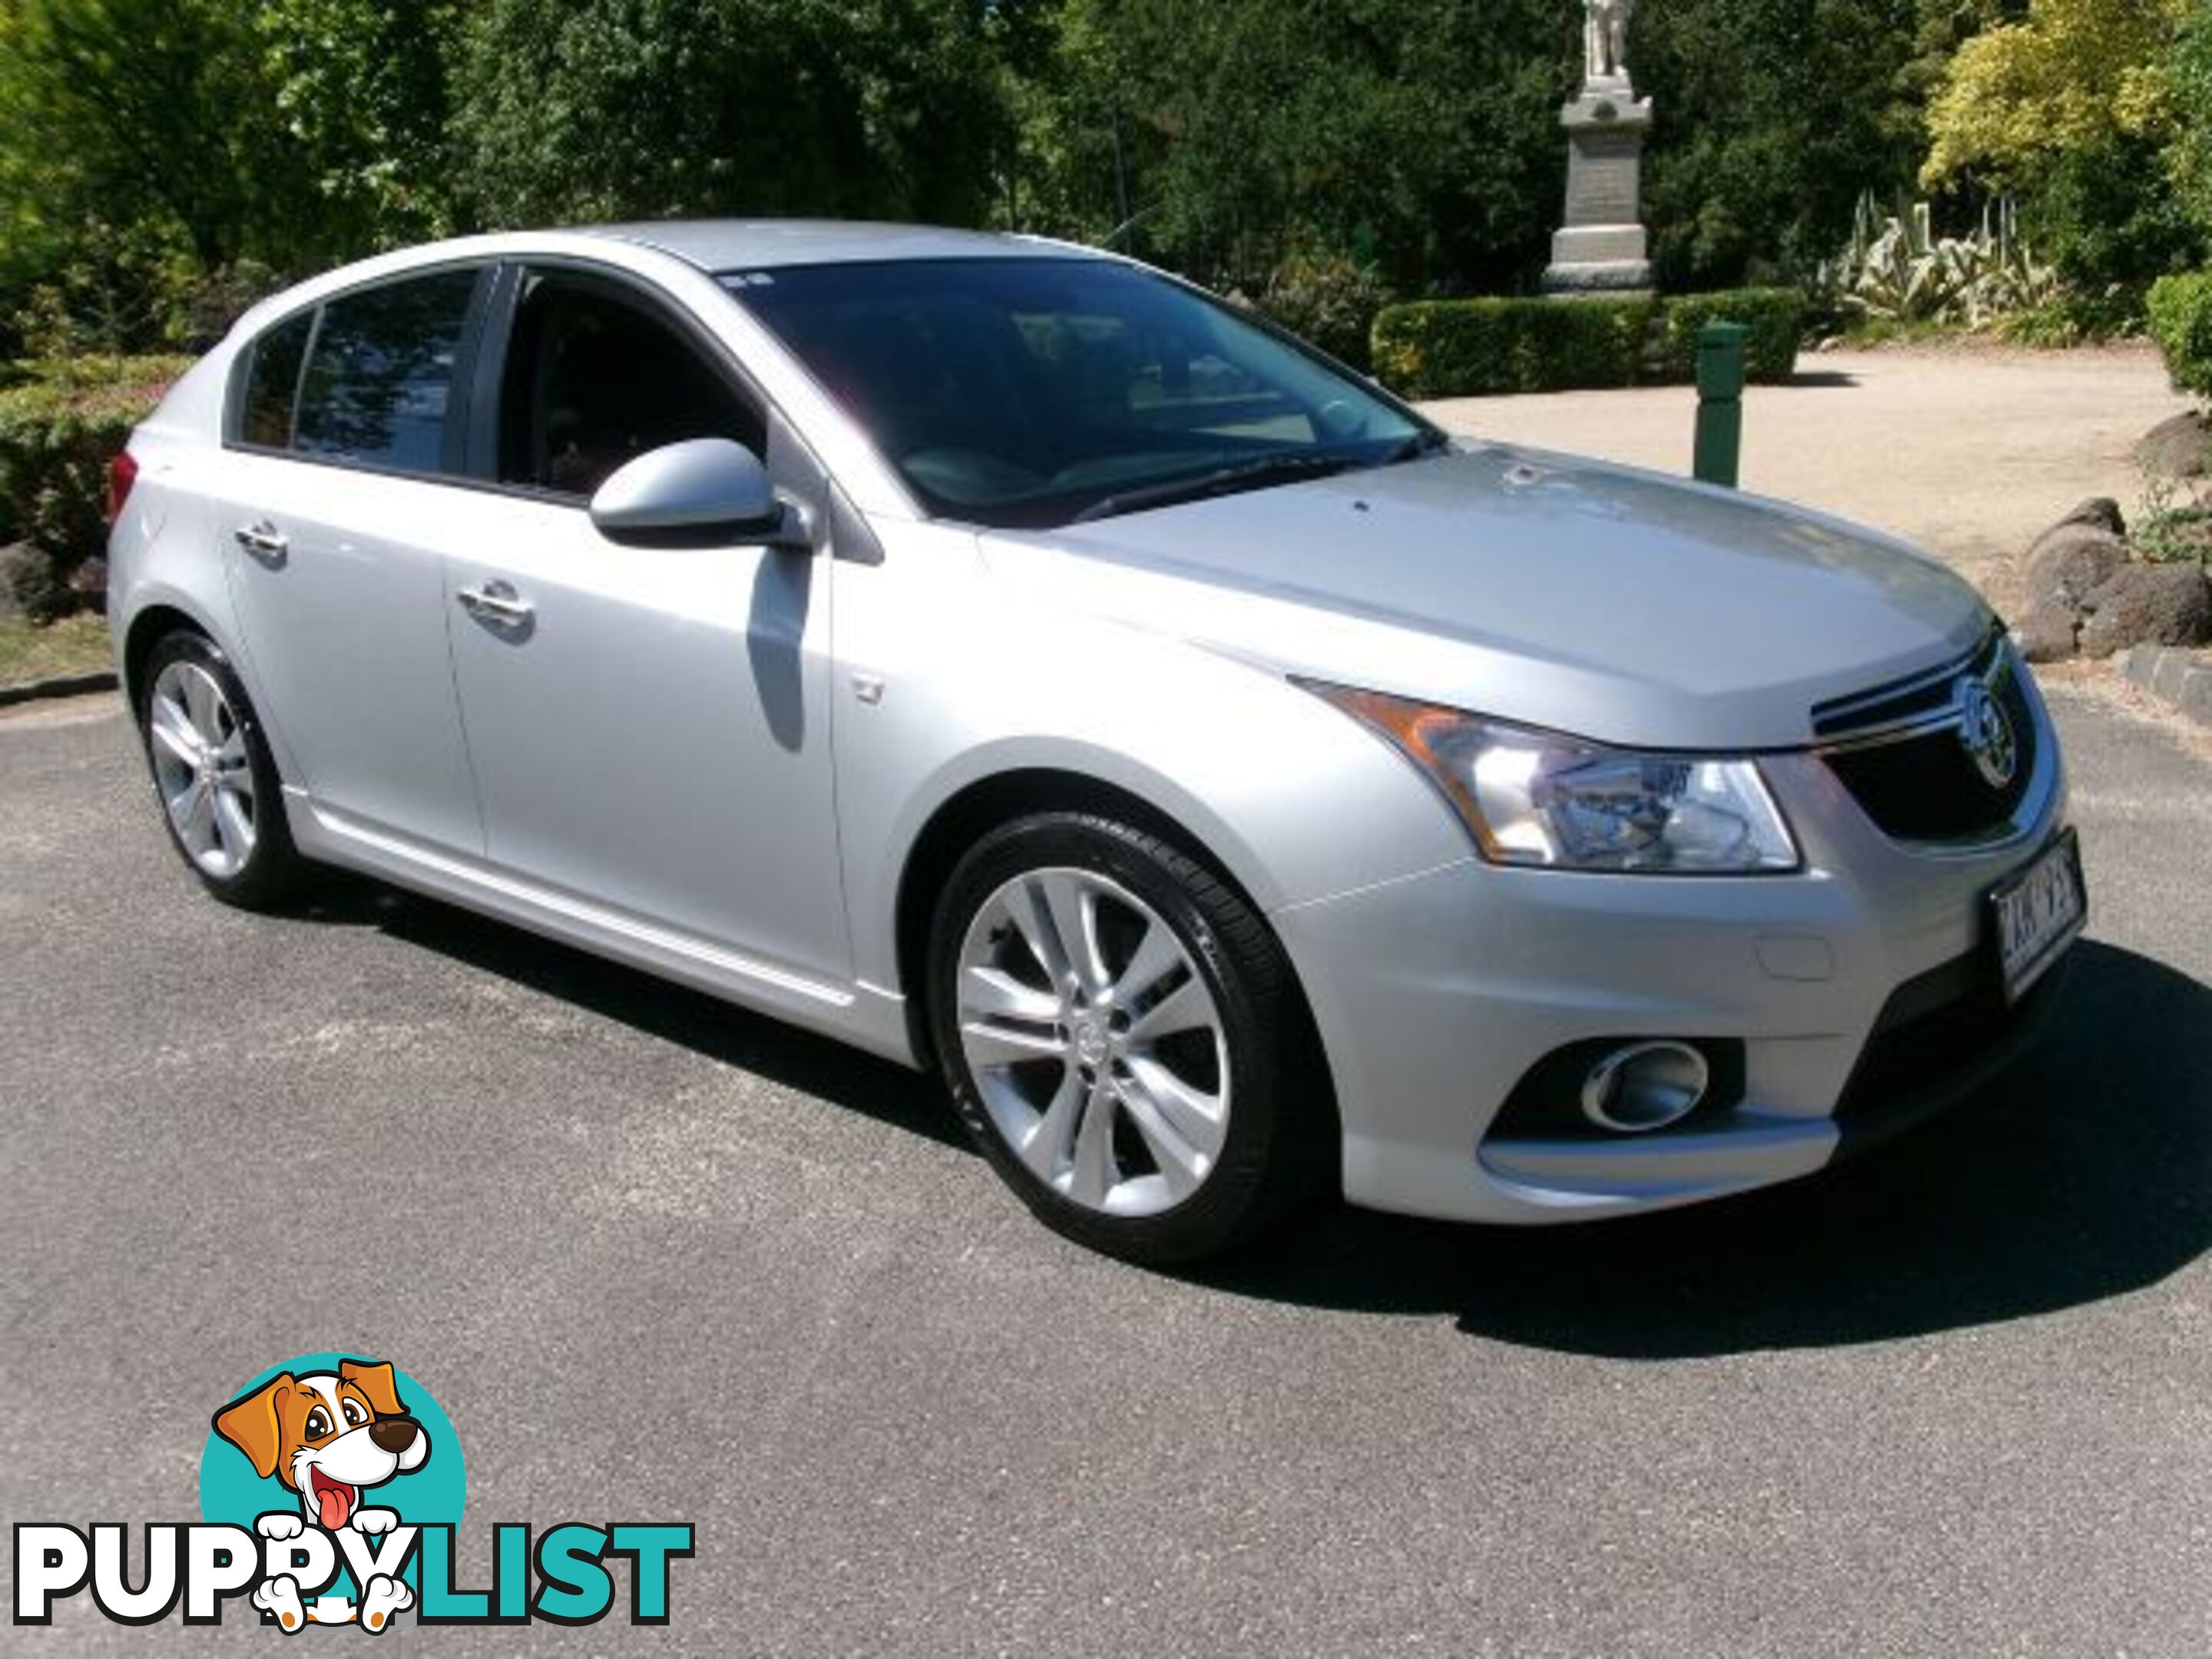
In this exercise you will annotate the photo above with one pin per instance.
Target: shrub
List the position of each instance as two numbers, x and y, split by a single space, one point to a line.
58 433
1775 316
1330 298
1465 348
1461 348
2180 309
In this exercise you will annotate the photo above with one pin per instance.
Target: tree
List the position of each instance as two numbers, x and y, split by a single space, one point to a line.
573 110
357 90
2072 109
2068 79
1771 118
2188 92
1420 137
148 145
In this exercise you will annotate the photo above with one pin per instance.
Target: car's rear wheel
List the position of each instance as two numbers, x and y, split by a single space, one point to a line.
1122 1037
214 774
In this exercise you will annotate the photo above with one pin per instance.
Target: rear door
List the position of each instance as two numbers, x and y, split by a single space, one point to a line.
345 435
649 725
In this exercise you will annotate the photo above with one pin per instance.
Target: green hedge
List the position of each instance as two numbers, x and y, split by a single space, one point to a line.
1774 316
1464 348
1458 348
2180 311
58 430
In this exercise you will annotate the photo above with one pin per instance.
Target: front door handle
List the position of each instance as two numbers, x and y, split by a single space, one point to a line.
264 540
497 604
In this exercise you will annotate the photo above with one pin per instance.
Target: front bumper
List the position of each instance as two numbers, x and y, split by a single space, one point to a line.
1435 996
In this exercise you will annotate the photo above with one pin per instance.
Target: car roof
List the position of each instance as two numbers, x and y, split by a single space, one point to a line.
724 244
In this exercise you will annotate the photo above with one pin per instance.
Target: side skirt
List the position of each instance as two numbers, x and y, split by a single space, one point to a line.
863 1015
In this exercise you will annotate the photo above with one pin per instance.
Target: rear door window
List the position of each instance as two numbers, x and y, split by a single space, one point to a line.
273 381
380 377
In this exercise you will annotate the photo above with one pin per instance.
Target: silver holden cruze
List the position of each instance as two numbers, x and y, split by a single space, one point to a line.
1003 657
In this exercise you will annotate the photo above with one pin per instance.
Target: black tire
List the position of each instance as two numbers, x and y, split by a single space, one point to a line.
274 871
1280 1142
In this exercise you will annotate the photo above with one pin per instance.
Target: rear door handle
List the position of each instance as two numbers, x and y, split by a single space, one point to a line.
264 540
497 604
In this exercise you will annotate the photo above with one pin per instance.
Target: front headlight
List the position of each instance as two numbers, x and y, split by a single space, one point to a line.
1535 798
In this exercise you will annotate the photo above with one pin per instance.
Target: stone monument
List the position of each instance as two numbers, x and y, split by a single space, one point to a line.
1599 247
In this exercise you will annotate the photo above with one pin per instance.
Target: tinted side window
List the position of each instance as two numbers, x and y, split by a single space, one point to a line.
594 379
377 386
272 376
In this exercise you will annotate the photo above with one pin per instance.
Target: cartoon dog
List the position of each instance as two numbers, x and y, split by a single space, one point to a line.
327 1436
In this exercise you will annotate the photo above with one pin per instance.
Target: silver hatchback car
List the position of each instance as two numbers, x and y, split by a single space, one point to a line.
1003 657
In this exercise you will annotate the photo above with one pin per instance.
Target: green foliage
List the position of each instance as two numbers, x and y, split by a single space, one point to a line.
1329 299
2072 106
1421 138
571 109
58 433
1465 348
357 94
2173 522
1770 117
2180 311
2110 223
1775 318
163 163
2071 76
2188 92
148 145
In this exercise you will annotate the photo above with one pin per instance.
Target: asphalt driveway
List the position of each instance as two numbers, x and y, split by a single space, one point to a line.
661 1260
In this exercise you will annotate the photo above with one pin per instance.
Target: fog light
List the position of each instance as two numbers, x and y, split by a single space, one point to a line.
1645 1086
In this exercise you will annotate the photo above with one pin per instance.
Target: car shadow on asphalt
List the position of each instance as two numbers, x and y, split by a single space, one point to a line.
660 1008
2085 1173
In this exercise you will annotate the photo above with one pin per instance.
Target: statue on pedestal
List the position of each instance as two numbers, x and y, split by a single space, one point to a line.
1599 247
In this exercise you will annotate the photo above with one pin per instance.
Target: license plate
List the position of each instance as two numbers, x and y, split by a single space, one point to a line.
2035 914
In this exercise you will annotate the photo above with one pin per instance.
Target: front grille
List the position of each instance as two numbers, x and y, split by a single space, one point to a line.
1903 755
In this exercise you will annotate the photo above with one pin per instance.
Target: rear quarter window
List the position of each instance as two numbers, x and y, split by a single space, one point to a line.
272 381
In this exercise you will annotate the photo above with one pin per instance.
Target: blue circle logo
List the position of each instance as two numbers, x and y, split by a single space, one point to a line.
330 1453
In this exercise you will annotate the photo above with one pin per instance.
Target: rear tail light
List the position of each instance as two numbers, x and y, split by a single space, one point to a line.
122 473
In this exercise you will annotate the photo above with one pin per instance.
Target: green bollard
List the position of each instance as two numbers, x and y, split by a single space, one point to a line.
1720 403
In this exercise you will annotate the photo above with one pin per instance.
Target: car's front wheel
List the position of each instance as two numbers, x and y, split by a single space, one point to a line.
1122 1034
214 773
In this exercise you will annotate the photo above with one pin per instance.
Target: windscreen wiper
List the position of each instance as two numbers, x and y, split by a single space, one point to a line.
1420 444
1222 481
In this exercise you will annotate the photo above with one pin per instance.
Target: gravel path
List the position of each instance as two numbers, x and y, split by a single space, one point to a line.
1968 452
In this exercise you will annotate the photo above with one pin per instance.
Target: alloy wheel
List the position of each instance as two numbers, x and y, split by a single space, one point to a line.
1093 1041
203 768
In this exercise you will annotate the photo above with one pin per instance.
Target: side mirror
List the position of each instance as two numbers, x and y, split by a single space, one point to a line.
704 492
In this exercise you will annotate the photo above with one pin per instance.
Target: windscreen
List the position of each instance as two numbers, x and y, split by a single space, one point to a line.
1031 392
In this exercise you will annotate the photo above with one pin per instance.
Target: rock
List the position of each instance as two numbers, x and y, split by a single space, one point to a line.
2046 633
2071 558
2195 697
2180 447
2101 511
2141 664
2141 603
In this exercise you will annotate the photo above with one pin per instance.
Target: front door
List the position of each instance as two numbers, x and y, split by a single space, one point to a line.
648 726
